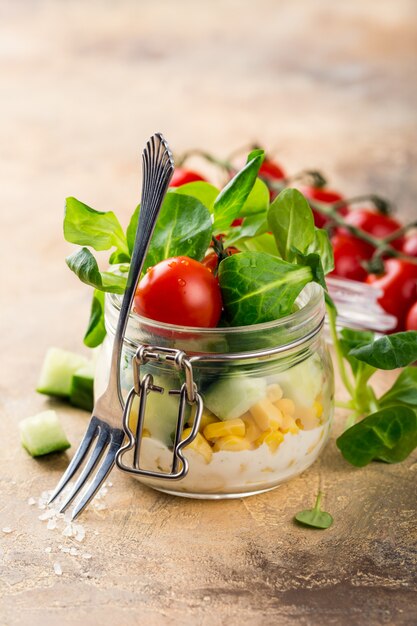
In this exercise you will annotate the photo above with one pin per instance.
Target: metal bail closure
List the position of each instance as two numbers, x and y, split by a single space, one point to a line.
188 394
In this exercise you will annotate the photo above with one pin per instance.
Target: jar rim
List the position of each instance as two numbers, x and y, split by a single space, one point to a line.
314 303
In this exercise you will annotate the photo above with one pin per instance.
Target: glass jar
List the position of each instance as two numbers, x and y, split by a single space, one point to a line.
267 393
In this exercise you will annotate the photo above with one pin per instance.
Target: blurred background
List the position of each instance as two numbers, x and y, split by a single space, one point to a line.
324 85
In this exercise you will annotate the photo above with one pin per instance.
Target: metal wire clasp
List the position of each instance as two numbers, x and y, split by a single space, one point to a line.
188 394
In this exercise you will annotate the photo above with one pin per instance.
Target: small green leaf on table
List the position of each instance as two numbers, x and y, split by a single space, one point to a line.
388 435
315 518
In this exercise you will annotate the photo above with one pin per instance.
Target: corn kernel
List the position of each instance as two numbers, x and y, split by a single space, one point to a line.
272 438
223 429
308 418
266 415
289 424
252 430
274 392
207 418
199 444
286 405
318 407
232 444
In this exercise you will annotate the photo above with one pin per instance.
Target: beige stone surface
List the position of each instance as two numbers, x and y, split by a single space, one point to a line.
322 84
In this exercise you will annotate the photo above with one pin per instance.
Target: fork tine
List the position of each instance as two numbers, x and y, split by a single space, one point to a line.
96 454
117 436
77 458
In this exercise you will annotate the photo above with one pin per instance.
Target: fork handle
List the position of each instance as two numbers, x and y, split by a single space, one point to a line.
158 168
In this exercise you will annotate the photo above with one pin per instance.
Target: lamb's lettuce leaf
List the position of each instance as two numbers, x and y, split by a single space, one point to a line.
234 195
258 287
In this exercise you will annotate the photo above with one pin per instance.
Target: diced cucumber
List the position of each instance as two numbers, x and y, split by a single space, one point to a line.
302 382
42 434
58 368
82 387
161 412
231 397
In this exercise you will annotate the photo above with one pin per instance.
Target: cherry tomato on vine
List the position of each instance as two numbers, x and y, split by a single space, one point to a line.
180 291
399 287
211 260
410 245
326 196
375 224
183 176
411 319
349 252
270 172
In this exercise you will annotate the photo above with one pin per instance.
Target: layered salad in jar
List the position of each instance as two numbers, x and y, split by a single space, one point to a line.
219 261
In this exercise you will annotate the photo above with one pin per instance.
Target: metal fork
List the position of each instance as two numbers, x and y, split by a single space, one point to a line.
106 421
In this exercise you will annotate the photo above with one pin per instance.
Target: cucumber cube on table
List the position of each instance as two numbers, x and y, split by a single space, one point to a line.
57 371
68 375
42 433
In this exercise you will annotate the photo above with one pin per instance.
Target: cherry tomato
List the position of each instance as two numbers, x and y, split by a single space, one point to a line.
327 196
349 252
399 287
271 172
375 224
410 245
211 260
180 291
182 176
411 319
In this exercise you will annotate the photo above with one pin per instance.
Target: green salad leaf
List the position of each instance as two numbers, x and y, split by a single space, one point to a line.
84 265
322 246
389 352
257 287
260 243
206 193
291 220
87 227
315 518
183 228
257 201
96 330
252 226
388 435
350 339
404 390
132 228
234 195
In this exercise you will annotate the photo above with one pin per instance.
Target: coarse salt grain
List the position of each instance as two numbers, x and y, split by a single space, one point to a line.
48 549
7 530
31 501
86 555
58 569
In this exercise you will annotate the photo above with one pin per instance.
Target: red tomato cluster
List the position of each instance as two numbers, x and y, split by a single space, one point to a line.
398 282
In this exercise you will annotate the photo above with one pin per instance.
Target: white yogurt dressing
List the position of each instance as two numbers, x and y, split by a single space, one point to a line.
236 472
